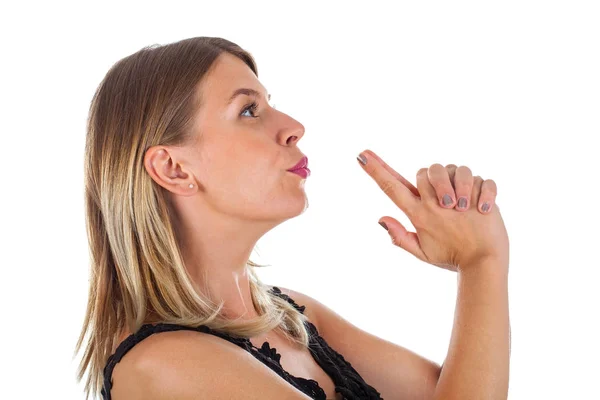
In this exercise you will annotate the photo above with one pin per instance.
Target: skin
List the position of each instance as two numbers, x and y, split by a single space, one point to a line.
241 187
438 182
471 243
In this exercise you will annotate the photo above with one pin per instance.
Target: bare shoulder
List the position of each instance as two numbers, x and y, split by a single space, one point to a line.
148 365
186 365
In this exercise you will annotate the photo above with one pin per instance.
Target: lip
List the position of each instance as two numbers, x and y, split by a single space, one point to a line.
303 163
303 172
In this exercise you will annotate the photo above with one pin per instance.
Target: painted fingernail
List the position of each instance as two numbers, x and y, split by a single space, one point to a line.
362 159
462 202
384 225
447 200
485 207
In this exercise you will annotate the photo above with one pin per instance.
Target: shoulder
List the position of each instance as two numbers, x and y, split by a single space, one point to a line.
188 365
156 362
328 322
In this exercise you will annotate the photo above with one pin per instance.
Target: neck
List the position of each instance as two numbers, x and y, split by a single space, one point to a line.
216 253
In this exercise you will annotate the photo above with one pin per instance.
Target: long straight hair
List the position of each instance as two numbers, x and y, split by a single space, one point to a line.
138 275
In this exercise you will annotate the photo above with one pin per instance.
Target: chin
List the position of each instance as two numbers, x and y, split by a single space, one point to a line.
293 208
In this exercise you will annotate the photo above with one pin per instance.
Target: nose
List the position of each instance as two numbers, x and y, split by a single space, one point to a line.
292 139
292 134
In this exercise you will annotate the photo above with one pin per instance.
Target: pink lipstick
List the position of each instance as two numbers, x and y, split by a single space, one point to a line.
303 172
301 168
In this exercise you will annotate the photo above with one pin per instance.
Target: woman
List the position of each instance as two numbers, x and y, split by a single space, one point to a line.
186 167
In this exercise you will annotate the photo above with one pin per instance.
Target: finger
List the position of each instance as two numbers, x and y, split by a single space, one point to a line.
451 168
406 183
463 184
424 185
487 197
475 191
402 196
401 237
438 176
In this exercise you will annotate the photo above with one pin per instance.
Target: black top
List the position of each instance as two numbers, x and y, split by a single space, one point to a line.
346 379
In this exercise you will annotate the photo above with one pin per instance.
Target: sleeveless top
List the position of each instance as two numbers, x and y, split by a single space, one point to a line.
346 379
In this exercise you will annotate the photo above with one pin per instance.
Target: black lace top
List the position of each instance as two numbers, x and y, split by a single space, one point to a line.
346 379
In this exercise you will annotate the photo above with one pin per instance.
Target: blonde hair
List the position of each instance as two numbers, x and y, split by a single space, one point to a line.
138 275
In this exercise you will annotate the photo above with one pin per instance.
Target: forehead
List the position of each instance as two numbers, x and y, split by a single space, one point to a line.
228 74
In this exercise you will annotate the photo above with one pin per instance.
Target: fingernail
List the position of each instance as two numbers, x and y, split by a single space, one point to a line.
384 225
462 202
485 207
447 200
362 159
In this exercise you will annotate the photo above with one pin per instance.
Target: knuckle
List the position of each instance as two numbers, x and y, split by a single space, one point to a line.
437 173
463 179
464 171
462 187
387 187
490 186
464 191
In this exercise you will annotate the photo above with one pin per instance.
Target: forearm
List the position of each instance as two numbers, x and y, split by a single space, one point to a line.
477 364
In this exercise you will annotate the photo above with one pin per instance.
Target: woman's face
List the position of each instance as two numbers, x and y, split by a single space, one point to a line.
239 162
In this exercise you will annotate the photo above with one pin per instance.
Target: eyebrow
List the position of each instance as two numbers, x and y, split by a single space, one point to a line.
247 92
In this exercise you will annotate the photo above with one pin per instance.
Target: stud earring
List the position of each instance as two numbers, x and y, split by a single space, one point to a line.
191 185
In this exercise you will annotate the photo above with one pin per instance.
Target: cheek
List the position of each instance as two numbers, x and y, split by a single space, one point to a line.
248 169
258 178
243 175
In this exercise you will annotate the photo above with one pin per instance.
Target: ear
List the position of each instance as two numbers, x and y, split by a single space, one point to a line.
163 166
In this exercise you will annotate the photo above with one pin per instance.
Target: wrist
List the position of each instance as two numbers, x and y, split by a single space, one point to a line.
485 265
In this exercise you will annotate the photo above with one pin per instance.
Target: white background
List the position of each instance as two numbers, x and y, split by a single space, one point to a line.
510 89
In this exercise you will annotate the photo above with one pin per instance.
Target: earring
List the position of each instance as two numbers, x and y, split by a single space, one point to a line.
191 185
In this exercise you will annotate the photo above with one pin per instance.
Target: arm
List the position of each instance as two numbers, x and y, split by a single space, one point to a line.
477 364
393 370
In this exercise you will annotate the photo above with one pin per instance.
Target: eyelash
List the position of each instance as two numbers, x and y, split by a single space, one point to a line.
253 106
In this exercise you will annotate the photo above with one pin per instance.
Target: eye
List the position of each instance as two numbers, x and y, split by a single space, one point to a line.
250 107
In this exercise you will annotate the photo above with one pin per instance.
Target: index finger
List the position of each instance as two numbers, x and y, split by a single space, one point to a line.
396 175
389 182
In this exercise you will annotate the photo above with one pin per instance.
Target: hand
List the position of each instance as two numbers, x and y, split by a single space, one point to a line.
444 238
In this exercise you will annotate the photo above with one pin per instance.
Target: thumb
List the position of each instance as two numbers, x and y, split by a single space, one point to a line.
401 237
